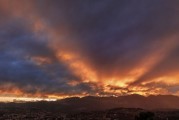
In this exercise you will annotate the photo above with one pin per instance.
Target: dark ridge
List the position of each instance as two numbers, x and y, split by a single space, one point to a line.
92 103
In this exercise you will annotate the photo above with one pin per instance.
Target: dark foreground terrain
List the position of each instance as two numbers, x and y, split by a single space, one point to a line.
113 114
132 107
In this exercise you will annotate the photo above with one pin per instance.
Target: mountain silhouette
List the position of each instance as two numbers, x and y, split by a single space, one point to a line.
91 103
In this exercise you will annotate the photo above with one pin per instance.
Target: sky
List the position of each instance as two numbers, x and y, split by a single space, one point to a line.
54 49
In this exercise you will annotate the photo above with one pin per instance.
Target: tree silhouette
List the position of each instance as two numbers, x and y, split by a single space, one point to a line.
145 116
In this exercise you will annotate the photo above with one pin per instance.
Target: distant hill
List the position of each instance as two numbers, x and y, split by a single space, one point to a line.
91 103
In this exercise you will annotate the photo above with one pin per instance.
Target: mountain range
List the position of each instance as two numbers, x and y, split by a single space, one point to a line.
92 103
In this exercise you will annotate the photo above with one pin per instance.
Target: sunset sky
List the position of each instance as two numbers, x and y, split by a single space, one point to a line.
54 49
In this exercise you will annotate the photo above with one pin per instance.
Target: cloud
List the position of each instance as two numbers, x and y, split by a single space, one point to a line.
89 48
28 63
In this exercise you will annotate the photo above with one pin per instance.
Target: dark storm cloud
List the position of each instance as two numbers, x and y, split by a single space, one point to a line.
118 32
18 46
112 37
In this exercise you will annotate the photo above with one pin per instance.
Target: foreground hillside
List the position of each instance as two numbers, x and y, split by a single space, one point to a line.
113 114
